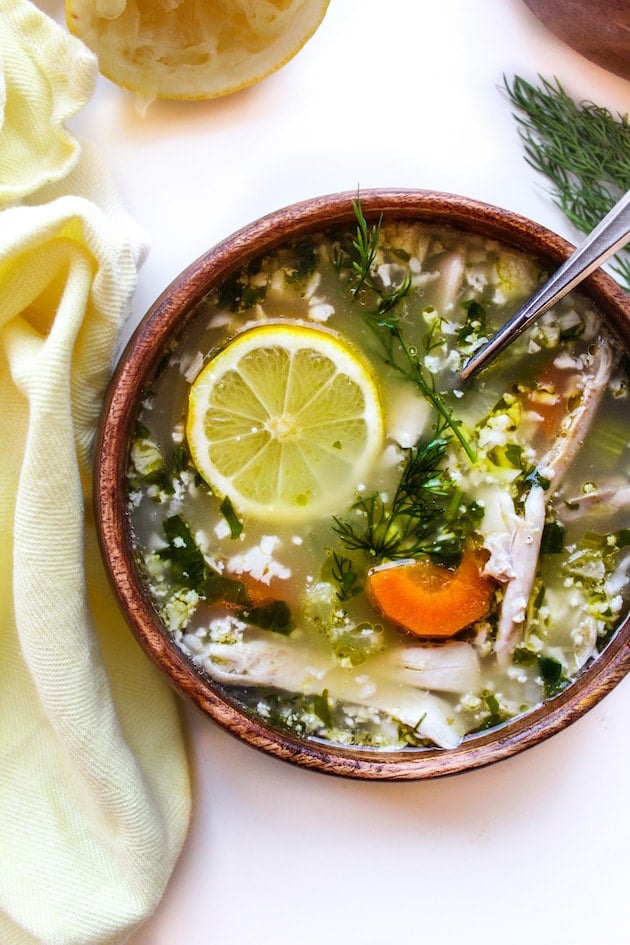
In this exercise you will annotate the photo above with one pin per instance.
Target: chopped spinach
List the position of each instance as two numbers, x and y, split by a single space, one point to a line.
237 293
306 259
552 542
188 565
230 516
554 680
274 616
476 321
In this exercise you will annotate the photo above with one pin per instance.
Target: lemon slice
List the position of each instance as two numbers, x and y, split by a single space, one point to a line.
192 49
285 421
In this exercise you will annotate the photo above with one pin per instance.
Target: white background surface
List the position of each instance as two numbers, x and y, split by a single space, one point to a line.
403 93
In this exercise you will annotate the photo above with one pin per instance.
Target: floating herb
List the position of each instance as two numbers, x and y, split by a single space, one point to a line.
552 542
425 516
230 516
345 576
190 570
496 715
365 244
306 258
552 676
385 323
274 615
476 321
321 708
217 587
387 328
188 565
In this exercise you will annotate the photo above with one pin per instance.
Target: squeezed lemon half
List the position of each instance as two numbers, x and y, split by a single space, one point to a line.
192 49
285 421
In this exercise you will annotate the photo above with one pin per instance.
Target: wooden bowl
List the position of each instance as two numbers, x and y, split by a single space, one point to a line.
168 317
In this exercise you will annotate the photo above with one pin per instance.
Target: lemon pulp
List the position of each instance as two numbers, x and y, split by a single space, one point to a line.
285 421
192 50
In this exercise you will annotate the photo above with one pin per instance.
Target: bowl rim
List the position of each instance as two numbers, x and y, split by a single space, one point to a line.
166 319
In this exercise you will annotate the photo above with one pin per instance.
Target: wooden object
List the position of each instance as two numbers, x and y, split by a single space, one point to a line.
166 318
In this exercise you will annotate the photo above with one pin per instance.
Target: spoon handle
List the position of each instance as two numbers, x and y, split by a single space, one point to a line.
607 237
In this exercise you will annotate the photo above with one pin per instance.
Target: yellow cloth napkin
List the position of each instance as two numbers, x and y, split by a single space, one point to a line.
94 790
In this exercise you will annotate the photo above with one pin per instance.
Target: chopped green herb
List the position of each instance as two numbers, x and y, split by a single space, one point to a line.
227 511
533 477
218 587
495 714
345 576
425 516
365 245
385 323
274 616
140 431
188 565
237 294
552 675
523 657
476 321
306 258
394 344
572 332
321 708
433 338
552 542
252 294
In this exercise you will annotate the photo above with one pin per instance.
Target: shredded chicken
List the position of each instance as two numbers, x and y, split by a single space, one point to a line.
523 550
605 502
400 692
555 462
514 548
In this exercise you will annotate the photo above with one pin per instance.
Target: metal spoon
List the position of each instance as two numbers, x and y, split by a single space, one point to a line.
608 236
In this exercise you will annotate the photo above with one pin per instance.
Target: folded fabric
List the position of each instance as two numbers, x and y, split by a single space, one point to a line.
94 788
46 77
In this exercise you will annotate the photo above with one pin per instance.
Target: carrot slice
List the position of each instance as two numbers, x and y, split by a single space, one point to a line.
429 600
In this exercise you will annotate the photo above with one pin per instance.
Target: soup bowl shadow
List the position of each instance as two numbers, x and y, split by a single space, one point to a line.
166 320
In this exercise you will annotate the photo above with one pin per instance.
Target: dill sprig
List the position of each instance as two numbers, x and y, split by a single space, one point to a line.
345 576
387 328
365 245
424 517
385 322
581 148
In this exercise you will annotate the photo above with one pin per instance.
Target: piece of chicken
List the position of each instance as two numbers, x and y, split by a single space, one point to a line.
514 548
399 688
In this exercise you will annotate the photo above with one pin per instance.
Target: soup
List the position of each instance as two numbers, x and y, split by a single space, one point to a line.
353 544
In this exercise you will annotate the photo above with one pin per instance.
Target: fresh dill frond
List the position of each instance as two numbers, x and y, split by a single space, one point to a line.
390 300
388 330
385 323
344 574
425 517
365 244
581 148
